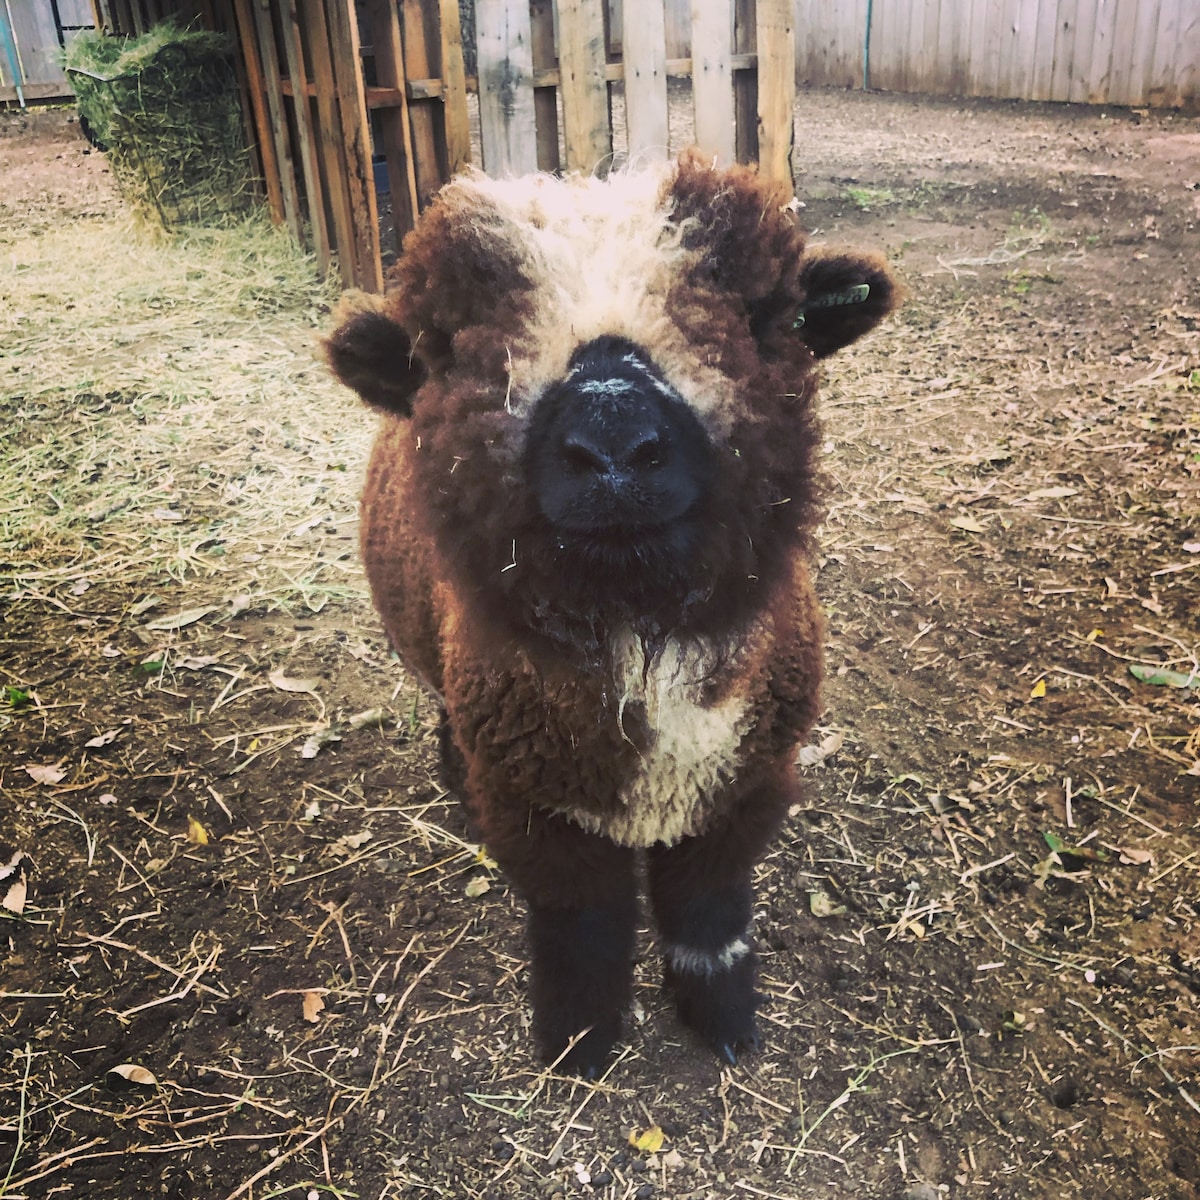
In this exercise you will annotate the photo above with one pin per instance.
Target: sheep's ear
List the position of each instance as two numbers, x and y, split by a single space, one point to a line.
372 354
845 295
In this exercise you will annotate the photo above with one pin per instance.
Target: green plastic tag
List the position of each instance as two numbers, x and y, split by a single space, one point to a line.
852 295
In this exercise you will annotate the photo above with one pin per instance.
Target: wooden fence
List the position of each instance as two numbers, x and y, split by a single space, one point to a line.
32 36
1139 52
342 91
338 86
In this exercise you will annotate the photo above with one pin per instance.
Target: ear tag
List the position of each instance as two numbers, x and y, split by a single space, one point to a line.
853 295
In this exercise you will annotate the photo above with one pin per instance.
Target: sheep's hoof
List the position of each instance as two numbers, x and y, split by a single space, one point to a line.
586 1059
728 1051
720 1009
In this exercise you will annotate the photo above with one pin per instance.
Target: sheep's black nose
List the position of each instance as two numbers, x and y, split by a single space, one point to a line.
612 449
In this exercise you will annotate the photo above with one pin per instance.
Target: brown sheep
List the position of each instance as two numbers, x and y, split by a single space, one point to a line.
586 526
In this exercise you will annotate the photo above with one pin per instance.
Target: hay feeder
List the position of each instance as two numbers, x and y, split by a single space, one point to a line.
165 107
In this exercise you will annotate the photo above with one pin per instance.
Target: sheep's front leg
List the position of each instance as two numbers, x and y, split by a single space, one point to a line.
582 963
582 896
703 903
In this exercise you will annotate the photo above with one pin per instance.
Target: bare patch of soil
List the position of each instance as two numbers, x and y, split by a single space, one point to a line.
981 935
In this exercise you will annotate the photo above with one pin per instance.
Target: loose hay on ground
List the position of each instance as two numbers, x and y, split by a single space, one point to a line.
167 416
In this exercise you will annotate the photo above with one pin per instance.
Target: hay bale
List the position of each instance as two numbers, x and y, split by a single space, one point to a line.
166 108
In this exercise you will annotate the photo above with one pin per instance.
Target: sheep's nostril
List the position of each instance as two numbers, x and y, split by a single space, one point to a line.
585 457
647 453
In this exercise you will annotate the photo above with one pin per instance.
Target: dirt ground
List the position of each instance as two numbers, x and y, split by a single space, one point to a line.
227 862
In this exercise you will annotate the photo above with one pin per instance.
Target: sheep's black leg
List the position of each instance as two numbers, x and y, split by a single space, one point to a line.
581 980
703 903
582 896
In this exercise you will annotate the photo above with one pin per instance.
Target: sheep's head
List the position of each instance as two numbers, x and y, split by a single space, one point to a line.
611 388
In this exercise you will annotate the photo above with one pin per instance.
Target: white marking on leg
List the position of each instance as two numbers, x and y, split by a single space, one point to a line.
691 961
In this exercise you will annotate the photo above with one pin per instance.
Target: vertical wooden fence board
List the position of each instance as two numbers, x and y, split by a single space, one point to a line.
678 14
1166 46
909 34
813 56
587 133
1027 45
1042 73
995 34
1081 55
1187 72
925 44
904 19
1064 48
951 47
1018 48
776 89
829 41
545 99
395 130
1125 48
302 110
36 42
881 64
974 27
712 85
1005 33
256 87
1099 74
422 40
506 114
745 82
850 36
884 66
356 134
269 57
454 94
329 135
644 49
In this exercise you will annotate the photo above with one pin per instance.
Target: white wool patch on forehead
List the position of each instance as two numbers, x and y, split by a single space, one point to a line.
602 255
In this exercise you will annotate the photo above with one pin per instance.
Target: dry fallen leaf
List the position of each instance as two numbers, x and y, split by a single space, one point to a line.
197 662
14 898
46 774
969 524
477 885
322 737
102 739
285 683
1053 493
132 1073
313 1005
367 719
820 904
181 620
810 756
1134 857
350 842
649 1141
